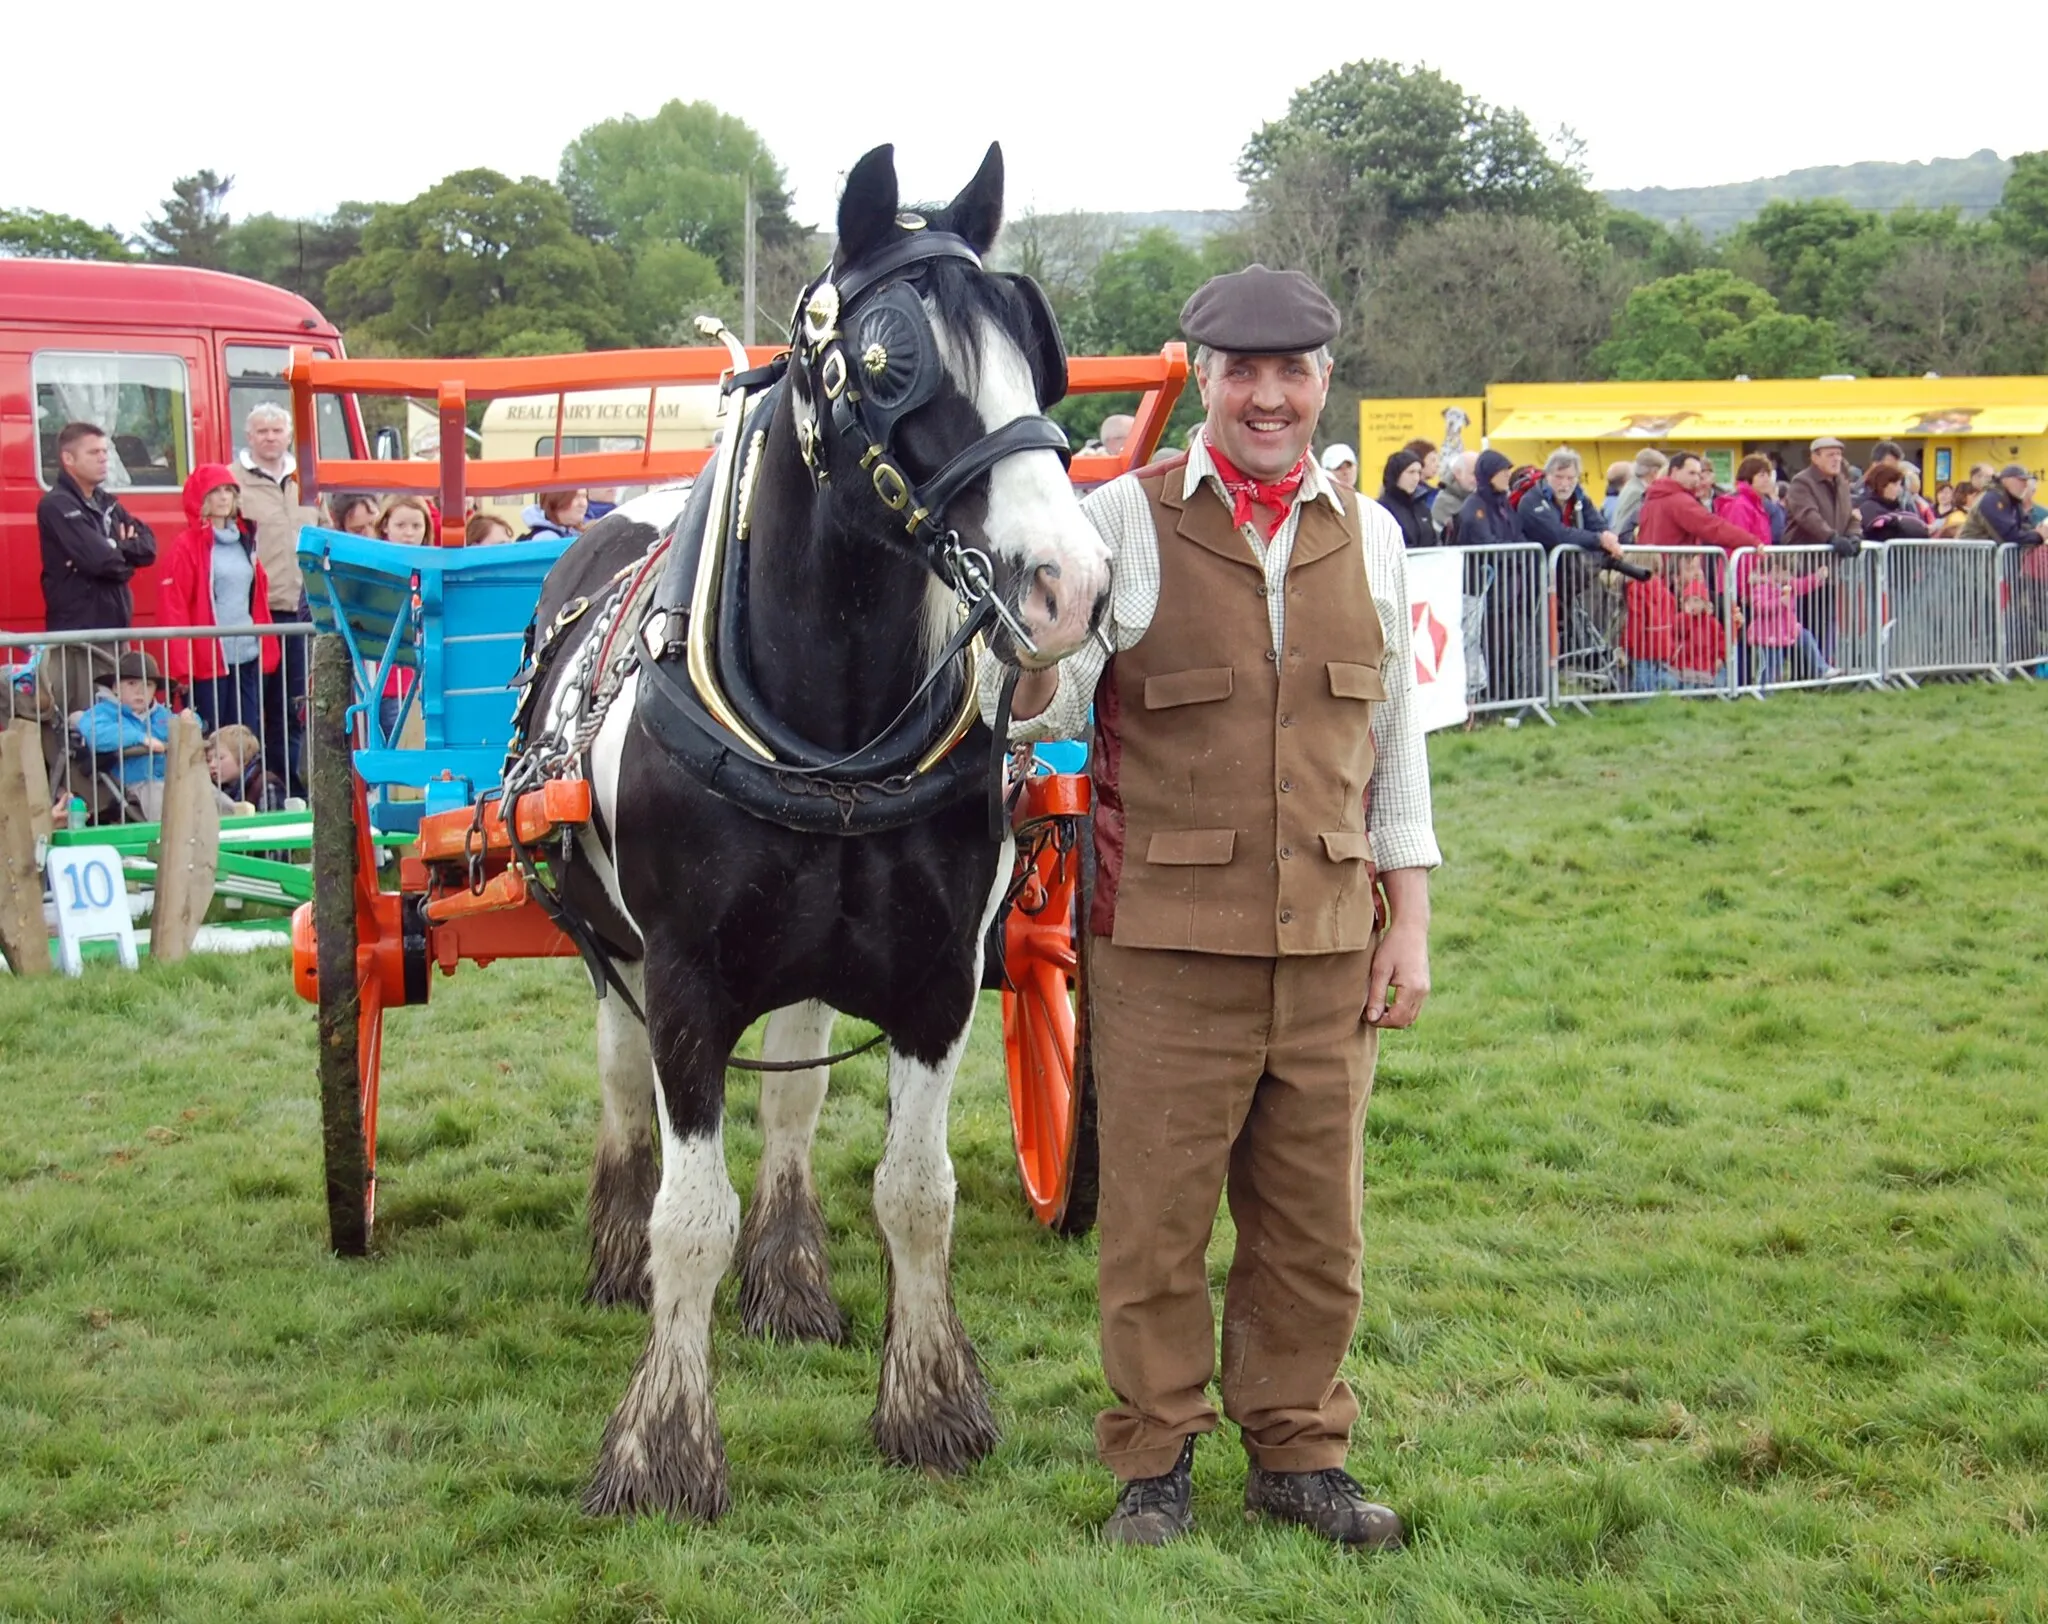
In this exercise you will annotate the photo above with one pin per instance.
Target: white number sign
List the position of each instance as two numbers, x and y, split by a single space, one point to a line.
92 902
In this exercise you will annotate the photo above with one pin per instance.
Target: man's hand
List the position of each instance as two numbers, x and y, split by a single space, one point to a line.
1401 961
1610 544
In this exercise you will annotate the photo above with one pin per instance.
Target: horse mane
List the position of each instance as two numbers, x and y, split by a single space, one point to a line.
959 296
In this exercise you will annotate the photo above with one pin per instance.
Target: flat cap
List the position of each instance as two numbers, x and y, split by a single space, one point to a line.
1827 442
2014 470
1256 311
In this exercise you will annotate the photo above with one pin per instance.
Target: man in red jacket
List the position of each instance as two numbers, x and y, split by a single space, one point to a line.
1673 517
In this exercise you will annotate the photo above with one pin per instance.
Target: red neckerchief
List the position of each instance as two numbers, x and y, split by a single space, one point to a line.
1277 494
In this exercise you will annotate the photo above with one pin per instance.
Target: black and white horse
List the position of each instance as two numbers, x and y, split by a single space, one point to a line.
718 915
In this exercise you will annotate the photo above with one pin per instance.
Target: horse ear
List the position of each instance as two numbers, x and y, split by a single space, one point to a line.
977 213
867 207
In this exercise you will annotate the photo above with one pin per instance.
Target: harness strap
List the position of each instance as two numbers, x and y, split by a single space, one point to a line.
1020 434
854 280
757 377
804 1065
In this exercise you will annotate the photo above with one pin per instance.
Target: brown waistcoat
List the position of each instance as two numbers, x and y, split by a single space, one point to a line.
1230 788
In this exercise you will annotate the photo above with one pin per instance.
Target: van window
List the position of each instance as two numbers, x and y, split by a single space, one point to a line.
256 375
142 401
573 443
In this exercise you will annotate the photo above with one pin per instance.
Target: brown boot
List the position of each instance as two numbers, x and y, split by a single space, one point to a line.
1153 1510
1329 1501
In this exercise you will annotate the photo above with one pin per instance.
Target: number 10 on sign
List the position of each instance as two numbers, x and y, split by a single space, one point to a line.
92 903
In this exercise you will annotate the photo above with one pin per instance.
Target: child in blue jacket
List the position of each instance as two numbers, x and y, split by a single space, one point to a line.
128 732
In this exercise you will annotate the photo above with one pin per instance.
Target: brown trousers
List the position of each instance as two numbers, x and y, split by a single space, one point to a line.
1209 1065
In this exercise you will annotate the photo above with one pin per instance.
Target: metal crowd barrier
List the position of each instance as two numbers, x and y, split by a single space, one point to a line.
1507 596
1793 617
2023 610
1941 609
102 754
1804 617
1617 638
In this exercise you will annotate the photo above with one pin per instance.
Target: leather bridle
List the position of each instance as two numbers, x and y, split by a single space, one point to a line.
863 357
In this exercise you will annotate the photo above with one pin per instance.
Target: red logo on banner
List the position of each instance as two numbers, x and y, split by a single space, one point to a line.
1432 637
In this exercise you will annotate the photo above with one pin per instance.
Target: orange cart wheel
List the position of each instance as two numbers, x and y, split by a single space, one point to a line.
348 925
1045 1040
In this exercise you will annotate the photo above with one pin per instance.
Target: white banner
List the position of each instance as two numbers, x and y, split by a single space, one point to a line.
1436 607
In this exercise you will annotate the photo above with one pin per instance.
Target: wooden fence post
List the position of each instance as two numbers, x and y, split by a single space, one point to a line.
35 774
188 845
24 803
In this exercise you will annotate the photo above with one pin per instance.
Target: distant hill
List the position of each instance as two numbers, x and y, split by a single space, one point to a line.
1190 225
1972 184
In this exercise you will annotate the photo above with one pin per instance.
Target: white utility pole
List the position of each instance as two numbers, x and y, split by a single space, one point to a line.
747 276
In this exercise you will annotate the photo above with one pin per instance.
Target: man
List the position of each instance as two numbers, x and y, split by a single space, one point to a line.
2004 513
1650 463
1617 476
92 545
1260 700
1558 512
1673 517
1820 504
1115 433
1340 462
269 478
1460 484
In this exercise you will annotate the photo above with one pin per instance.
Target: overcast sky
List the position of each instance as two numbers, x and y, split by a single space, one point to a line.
1145 110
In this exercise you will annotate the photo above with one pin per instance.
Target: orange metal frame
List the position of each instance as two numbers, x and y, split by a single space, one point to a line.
452 385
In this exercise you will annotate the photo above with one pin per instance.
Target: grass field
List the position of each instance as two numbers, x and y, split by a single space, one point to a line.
1707 1262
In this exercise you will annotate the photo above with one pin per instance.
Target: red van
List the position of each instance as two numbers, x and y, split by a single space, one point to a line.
169 361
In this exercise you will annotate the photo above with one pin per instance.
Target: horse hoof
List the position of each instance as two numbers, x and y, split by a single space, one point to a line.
617 1493
785 1311
933 1412
674 1471
785 1279
618 1268
617 1288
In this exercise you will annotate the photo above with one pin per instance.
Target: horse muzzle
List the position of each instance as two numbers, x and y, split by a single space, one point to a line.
1059 602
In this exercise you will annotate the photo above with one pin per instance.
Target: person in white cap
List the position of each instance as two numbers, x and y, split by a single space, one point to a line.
1340 462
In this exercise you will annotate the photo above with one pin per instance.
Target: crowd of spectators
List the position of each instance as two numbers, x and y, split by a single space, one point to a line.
233 571
1671 629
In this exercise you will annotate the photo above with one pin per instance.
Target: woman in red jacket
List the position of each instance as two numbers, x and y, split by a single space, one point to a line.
214 579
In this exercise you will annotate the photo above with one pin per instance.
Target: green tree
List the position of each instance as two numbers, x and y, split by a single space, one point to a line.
1135 295
1817 258
1412 147
193 228
1479 299
1961 306
479 264
1059 252
295 254
39 234
679 179
1714 324
1132 307
1655 248
2022 213
667 287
